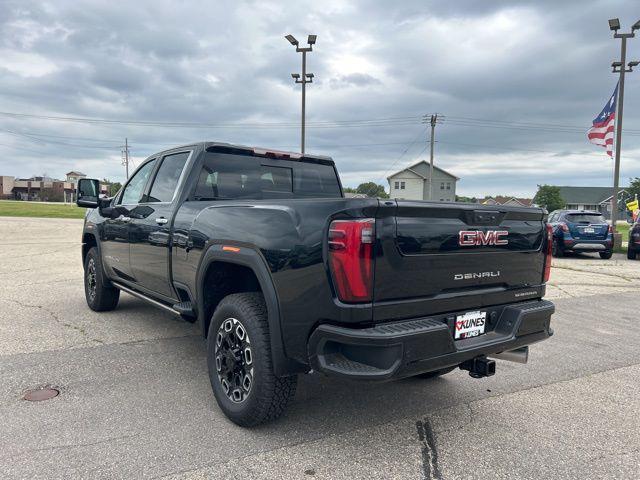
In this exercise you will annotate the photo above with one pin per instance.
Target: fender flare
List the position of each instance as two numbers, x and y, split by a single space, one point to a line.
96 237
252 259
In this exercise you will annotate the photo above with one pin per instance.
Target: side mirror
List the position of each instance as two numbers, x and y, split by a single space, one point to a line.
88 193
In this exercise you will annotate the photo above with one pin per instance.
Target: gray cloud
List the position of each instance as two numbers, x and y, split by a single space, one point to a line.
542 62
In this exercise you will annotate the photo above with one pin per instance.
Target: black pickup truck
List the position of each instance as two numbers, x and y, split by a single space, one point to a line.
287 276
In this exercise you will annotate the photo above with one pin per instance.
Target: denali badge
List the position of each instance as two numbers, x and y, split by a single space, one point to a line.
471 276
467 238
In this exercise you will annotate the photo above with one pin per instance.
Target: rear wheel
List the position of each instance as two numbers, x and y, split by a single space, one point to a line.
556 249
100 296
436 373
240 363
606 255
631 253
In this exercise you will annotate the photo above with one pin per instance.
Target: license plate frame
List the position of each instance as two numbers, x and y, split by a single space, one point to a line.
589 230
470 325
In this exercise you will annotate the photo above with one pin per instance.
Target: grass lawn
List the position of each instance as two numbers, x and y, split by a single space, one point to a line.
10 208
624 230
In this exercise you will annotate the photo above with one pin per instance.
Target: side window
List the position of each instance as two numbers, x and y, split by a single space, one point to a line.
133 191
166 181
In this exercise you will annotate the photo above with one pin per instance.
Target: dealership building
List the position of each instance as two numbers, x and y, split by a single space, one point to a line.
43 188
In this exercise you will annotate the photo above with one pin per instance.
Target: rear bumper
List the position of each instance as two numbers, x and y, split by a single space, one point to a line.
580 245
406 348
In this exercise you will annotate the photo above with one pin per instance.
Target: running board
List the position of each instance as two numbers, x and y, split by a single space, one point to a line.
142 296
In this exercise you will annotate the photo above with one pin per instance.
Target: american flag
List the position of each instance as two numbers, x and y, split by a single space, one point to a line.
601 133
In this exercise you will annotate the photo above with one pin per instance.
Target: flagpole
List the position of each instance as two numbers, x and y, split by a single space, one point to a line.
618 125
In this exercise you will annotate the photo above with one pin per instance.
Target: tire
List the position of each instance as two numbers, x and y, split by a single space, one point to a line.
240 323
436 373
606 255
100 296
631 253
556 250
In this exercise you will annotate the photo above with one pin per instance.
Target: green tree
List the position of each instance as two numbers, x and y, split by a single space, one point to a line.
463 199
114 187
371 189
348 190
548 196
634 188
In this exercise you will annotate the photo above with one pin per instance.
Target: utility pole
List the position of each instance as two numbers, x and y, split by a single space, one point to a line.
621 68
306 77
432 120
125 156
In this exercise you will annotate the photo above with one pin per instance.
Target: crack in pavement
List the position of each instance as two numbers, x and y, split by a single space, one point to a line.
430 466
30 451
591 272
55 317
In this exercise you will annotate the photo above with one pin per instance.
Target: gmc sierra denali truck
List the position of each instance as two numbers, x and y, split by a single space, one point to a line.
286 276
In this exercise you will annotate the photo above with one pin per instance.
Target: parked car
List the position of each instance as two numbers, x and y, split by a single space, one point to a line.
285 275
581 231
633 248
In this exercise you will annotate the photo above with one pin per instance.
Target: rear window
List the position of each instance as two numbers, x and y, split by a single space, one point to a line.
585 218
225 176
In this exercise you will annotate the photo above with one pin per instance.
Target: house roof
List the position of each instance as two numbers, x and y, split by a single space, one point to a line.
502 200
412 167
586 195
80 174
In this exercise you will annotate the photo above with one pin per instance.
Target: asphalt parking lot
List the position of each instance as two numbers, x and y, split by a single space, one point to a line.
136 401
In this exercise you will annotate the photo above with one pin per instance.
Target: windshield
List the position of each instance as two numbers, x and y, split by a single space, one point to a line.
585 218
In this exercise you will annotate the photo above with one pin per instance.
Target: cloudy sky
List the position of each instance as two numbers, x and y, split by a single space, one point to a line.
517 82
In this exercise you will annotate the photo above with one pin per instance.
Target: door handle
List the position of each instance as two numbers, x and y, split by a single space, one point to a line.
162 221
124 219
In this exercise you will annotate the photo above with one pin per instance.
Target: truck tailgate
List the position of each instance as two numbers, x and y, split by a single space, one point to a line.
440 256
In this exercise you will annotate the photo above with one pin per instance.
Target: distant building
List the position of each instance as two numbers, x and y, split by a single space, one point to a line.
509 201
42 188
591 198
412 183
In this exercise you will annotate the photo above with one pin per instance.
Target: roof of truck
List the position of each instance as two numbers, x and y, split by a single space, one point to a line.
253 151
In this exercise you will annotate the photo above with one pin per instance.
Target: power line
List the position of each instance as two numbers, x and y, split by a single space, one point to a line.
317 124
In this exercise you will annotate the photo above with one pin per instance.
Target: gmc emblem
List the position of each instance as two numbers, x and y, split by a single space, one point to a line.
468 238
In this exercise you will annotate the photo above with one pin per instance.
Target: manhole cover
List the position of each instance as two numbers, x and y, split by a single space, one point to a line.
39 394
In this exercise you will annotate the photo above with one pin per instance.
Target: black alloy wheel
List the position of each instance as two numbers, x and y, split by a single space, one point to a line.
234 360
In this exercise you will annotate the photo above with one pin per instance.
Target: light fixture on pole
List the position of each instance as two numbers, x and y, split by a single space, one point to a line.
303 78
619 67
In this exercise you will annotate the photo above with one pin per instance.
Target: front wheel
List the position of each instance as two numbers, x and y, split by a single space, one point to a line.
100 296
240 364
606 255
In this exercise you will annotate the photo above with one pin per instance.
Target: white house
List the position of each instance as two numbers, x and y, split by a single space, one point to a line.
412 183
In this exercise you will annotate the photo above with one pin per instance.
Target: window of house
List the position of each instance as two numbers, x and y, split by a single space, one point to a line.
442 186
401 185
448 185
396 185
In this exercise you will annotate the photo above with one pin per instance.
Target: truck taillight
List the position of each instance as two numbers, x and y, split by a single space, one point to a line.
548 256
564 227
351 258
610 228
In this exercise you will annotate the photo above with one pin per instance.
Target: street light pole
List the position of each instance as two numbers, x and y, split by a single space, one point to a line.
621 68
306 78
